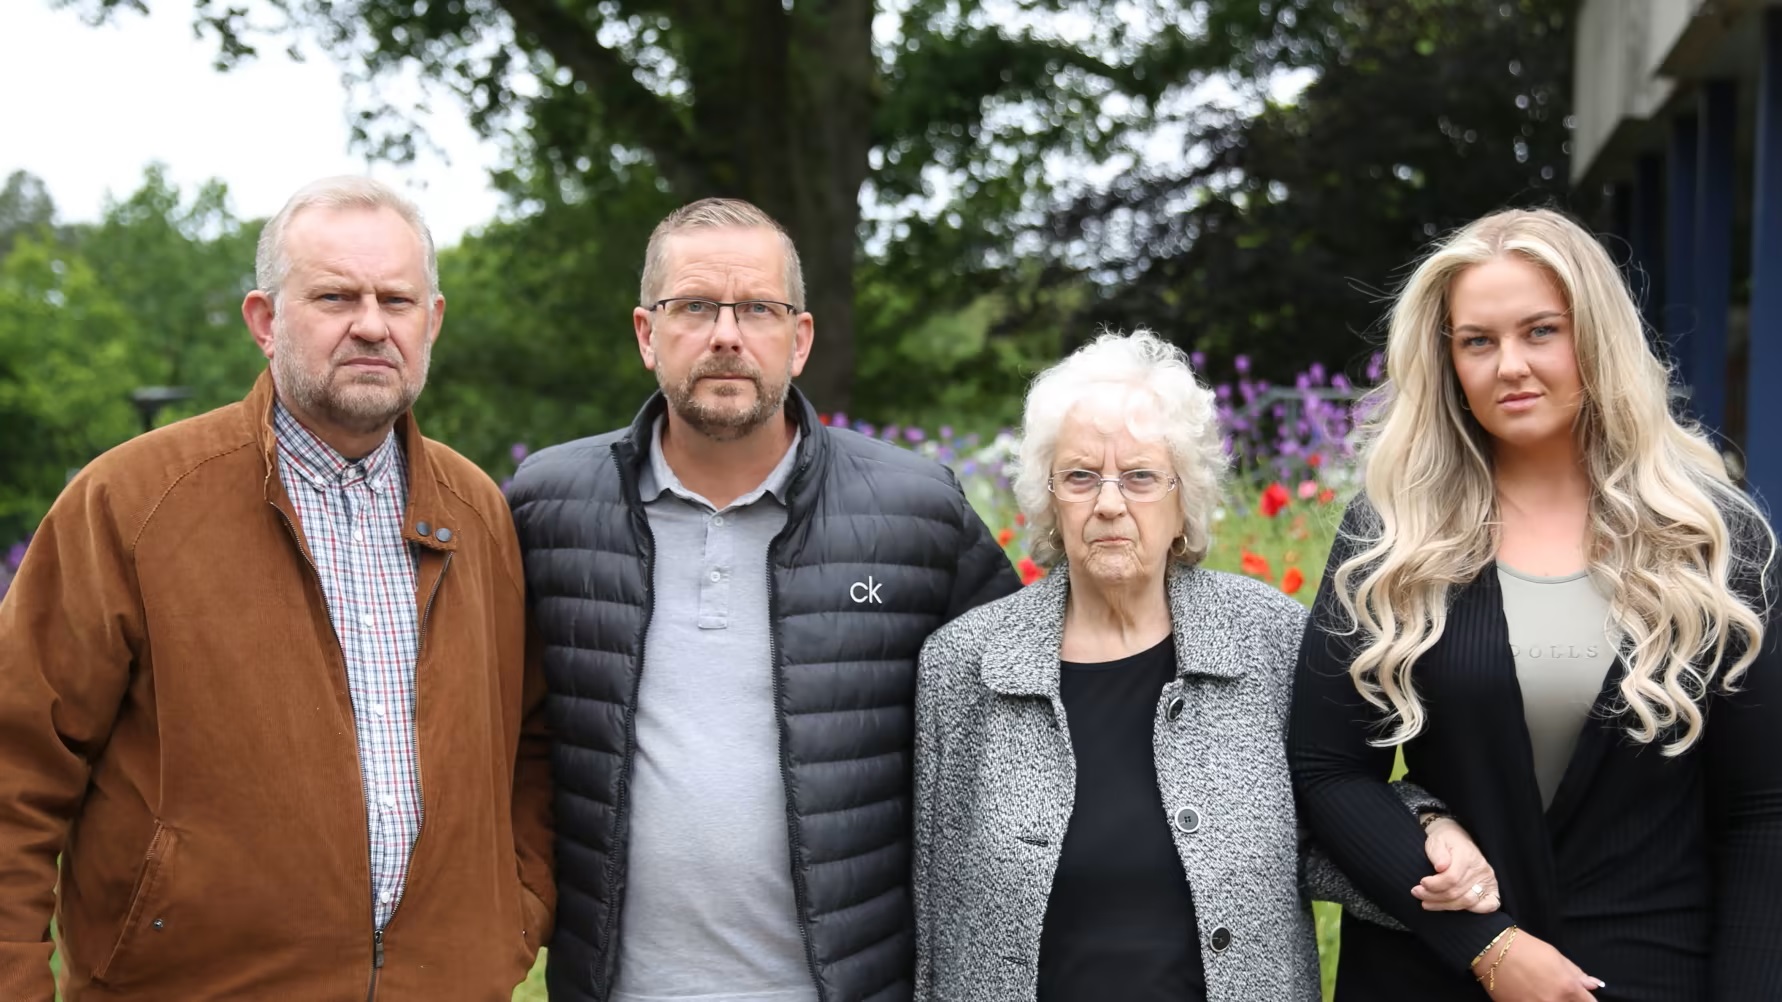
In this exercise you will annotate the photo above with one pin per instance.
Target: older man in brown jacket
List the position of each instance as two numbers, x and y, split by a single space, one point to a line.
263 686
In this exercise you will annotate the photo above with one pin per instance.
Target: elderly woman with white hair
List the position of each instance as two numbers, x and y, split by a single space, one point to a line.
1103 807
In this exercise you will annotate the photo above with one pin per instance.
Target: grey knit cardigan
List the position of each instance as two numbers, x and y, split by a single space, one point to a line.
995 782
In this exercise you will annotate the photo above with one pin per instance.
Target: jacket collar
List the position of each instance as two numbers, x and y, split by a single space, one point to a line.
1024 662
426 499
633 447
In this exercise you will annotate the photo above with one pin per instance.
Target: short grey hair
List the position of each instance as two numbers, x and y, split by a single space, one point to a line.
1164 401
272 263
713 214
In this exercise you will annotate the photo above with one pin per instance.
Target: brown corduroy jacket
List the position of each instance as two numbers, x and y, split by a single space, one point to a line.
175 726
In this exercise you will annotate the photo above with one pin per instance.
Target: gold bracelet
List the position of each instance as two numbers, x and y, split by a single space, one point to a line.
1491 986
1431 818
1488 947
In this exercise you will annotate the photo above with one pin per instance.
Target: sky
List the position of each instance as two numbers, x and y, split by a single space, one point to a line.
87 108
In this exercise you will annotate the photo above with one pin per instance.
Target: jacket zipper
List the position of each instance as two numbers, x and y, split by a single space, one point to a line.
800 892
608 932
377 935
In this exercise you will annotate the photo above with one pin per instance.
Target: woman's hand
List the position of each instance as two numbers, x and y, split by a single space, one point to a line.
1533 971
1464 880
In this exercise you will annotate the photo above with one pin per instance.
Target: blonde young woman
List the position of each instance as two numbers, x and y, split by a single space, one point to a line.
1552 598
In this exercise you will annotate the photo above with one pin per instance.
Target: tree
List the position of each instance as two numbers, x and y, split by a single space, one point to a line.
65 376
25 206
1293 225
965 107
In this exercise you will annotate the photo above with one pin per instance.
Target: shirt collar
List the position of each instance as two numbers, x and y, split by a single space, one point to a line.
657 477
322 465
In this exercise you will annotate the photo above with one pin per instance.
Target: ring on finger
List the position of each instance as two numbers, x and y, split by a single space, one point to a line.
1479 892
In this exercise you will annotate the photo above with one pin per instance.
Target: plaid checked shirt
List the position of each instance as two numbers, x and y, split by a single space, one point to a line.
352 515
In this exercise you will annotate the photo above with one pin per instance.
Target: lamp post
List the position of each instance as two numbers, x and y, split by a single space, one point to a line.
150 399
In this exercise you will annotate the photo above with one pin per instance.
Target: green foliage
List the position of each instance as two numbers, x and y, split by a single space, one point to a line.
66 354
1291 226
181 266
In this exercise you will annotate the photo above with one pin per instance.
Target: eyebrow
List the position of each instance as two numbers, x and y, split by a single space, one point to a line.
1524 322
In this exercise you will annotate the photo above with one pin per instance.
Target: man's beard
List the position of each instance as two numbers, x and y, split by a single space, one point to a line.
339 397
722 422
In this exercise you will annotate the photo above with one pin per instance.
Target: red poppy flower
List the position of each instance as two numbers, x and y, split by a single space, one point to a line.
1020 519
1315 460
1005 537
1029 571
822 419
1326 496
1255 565
1274 498
1292 581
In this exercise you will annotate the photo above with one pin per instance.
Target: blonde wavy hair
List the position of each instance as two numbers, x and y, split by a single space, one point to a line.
1683 552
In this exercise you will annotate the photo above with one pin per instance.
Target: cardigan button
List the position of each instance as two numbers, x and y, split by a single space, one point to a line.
1176 706
1221 940
444 535
422 528
1187 821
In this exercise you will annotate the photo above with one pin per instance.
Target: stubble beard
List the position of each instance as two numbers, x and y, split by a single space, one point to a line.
360 403
724 422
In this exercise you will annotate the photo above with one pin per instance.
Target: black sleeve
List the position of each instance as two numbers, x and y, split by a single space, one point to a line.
1341 780
984 573
1742 738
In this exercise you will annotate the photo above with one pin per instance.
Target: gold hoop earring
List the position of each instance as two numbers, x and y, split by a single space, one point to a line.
1178 547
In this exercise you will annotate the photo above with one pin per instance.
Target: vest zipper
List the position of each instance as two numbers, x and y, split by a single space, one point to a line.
608 936
800 891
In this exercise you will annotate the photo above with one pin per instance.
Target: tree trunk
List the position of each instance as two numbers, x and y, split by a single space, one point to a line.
785 121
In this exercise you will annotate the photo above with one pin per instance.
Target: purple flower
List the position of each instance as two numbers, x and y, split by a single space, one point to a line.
1247 389
1222 391
16 555
1317 374
519 452
968 468
914 435
1376 367
1197 359
889 432
864 429
1242 364
1339 381
945 455
1302 382
946 432
838 420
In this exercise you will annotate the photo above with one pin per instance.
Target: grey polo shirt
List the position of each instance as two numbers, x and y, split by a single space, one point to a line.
709 912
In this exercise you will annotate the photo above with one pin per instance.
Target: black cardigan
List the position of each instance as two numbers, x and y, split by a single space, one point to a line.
1661 876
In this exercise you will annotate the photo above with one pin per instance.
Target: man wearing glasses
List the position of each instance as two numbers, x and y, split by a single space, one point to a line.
729 598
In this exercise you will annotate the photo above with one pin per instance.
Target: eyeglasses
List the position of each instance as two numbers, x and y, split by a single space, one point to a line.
751 314
1134 485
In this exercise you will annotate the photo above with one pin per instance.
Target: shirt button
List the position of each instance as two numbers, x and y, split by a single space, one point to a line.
378 709
389 801
1176 706
385 897
717 575
365 620
358 535
717 520
1221 940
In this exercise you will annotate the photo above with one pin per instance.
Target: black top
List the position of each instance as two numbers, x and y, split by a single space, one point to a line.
1660 875
1120 921
844 680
